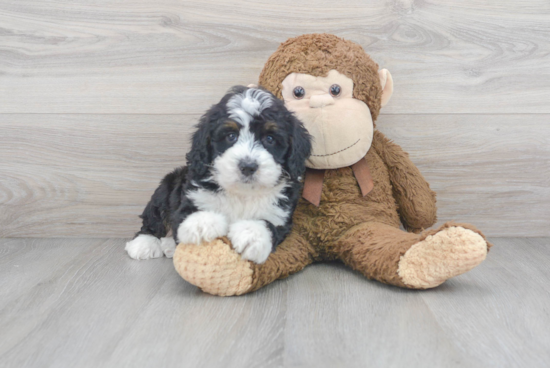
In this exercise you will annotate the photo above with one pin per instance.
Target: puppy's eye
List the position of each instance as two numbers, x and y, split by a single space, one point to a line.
335 90
269 140
231 137
299 92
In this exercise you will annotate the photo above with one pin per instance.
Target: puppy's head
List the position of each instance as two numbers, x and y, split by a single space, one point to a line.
249 140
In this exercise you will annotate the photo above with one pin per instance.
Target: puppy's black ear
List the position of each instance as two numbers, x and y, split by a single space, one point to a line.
300 148
198 158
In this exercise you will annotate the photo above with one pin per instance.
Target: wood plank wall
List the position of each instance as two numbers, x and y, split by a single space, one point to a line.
98 99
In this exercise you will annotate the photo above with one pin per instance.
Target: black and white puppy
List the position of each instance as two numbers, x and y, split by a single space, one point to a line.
242 180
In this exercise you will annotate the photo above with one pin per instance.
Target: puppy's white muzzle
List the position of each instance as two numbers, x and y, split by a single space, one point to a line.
244 164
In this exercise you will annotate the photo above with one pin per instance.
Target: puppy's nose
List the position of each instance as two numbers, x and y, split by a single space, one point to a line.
321 100
248 167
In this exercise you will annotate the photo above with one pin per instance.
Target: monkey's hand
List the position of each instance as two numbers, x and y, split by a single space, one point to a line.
412 192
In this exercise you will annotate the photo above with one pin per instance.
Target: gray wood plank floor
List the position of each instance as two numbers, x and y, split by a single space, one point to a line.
84 303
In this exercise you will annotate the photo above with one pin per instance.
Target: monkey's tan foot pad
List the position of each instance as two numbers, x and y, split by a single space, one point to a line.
448 253
214 267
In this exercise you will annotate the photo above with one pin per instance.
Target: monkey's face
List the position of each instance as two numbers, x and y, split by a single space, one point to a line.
341 125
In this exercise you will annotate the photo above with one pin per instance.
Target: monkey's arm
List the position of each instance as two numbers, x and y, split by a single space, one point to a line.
412 192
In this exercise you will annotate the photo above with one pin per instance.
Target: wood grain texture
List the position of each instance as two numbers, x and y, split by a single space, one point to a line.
167 56
509 297
84 174
351 322
85 303
98 99
91 175
488 170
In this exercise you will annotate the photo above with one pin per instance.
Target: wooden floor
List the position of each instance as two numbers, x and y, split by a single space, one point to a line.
84 303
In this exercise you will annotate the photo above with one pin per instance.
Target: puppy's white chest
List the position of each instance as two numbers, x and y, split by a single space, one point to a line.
255 206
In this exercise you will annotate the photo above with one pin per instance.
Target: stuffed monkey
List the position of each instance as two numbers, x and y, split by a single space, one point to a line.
359 187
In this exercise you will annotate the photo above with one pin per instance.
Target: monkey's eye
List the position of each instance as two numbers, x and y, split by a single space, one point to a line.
269 140
335 90
231 137
299 92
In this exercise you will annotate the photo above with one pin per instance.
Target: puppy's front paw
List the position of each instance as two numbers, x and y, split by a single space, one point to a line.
202 226
252 239
144 247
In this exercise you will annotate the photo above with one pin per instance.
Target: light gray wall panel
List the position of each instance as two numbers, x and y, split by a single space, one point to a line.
91 175
169 56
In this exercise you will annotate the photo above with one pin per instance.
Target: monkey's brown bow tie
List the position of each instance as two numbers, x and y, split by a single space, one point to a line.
313 183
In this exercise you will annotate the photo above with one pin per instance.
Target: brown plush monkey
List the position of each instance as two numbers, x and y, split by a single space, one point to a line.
360 186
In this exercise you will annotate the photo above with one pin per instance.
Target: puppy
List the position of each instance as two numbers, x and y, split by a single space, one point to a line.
242 180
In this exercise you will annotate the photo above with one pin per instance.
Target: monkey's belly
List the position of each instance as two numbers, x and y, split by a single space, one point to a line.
342 207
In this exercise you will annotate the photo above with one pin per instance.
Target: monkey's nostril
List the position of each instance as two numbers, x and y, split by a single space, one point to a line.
248 167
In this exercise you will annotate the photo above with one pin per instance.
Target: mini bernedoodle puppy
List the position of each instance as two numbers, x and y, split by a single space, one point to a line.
242 180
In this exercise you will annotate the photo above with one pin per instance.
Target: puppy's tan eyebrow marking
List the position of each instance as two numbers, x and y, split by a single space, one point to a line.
271 126
231 124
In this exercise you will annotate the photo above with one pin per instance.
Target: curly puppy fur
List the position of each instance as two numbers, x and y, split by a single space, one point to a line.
242 180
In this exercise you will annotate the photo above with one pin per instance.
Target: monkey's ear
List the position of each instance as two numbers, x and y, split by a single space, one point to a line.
387 85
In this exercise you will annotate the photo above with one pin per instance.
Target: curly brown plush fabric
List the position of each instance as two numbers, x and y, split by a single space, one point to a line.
361 231
316 54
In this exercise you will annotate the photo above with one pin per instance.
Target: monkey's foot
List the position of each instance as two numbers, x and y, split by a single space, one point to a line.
449 252
214 267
